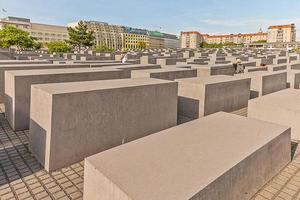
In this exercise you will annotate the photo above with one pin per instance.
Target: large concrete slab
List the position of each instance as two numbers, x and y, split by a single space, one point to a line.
136 67
293 78
18 83
209 158
204 70
69 121
4 68
165 73
282 107
201 96
263 83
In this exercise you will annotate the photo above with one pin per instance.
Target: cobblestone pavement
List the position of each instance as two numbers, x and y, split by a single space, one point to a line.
22 177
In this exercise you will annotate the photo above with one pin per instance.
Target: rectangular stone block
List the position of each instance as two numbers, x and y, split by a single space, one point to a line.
293 78
281 107
18 83
70 121
279 67
170 61
210 70
4 68
165 73
263 83
201 96
135 67
209 158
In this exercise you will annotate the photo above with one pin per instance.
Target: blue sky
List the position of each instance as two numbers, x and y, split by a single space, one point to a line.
173 16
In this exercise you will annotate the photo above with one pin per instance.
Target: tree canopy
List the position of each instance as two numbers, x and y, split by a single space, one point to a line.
12 36
142 45
102 49
80 36
58 47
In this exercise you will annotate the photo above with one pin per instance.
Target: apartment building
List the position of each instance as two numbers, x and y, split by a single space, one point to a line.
171 41
191 39
105 34
133 36
282 33
42 32
235 38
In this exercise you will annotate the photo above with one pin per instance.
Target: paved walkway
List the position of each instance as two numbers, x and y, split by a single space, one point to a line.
22 177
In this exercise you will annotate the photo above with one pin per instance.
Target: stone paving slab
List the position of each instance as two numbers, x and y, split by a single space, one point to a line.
23 178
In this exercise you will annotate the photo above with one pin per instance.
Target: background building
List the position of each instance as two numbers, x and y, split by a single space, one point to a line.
171 41
282 33
124 37
236 38
42 32
133 36
105 34
191 39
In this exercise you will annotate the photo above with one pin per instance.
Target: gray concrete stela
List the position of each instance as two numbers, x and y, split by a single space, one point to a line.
196 123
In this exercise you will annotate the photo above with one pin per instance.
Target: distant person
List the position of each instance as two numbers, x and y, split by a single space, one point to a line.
238 66
124 58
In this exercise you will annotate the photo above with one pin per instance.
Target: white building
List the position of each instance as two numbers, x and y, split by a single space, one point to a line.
191 39
43 32
282 33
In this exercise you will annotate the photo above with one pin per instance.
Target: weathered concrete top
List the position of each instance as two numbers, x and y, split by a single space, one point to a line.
218 66
179 162
162 70
72 87
210 79
57 71
288 99
259 73
23 61
60 65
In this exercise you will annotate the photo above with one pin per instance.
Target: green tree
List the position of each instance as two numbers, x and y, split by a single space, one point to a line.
102 49
142 45
80 36
12 36
37 45
58 47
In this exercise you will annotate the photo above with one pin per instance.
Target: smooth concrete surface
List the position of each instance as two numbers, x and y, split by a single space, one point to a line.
165 73
70 121
221 69
135 67
201 96
278 67
282 107
18 83
206 159
4 68
263 83
293 78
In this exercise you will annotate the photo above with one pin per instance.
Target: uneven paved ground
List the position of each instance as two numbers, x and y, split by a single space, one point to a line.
22 177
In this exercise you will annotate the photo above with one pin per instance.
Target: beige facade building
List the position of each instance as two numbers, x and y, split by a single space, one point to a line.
42 32
191 39
105 34
235 38
282 33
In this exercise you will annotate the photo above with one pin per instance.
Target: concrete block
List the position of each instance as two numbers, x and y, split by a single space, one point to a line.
293 79
70 121
281 107
4 68
201 96
165 73
209 158
263 83
18 84
279 67
204 70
